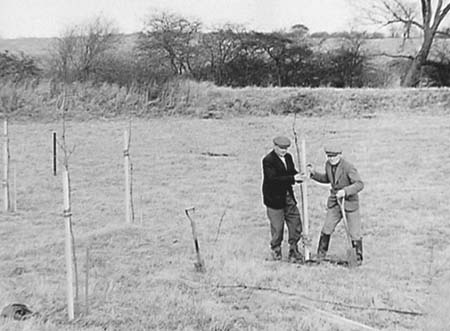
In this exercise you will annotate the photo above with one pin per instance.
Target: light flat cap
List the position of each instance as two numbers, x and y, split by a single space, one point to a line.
333 149
282 141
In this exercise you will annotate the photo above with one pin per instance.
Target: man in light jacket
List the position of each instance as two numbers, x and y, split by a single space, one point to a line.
345 184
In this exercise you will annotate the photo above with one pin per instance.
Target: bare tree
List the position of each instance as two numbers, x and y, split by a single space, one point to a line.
404 13
350 60
276 45
221 47
172 38
76 54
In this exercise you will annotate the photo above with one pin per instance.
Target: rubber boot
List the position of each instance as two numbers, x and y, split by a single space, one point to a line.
358 246
294 254
276 253
322 249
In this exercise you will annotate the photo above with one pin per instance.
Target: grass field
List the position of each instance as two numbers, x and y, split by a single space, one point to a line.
142 275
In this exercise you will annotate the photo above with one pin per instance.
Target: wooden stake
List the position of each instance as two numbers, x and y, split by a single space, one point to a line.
126 155
351 253
305 200
199 265
68 243
6 201
54 153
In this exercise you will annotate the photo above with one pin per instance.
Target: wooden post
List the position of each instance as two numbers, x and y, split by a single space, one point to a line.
200 264
126 155
6 201
68 242
54 152
305 200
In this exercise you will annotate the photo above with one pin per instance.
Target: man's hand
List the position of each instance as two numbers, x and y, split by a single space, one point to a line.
310 170
299 178
340 194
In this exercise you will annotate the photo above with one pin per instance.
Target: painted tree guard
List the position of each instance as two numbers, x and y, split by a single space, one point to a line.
68 243
304 185
6 158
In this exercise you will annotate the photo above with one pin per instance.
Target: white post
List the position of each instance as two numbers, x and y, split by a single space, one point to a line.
126 155
305 200
68 242
141 211
6 202
86 284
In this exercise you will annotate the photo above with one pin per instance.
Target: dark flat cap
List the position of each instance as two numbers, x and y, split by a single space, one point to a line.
282 141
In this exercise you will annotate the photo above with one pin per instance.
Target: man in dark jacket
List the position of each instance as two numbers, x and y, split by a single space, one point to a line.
345 184
279 176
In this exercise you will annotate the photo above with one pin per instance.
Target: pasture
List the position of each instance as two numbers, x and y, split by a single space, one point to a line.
142 275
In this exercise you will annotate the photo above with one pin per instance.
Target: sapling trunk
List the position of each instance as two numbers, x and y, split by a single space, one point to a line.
6 158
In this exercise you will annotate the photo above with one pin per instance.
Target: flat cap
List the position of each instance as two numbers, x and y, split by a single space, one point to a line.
282 141
332 149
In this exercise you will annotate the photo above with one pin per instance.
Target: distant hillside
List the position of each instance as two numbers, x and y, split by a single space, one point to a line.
39 47
394 46
35 47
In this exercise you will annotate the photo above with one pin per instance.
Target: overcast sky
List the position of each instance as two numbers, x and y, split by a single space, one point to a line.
48 18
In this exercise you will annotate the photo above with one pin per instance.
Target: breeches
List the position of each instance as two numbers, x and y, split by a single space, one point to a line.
334 216
291 216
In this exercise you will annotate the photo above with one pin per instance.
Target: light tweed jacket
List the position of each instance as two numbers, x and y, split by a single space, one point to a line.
346 178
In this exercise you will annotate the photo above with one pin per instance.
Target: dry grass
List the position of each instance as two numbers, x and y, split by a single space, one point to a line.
142 276
37 100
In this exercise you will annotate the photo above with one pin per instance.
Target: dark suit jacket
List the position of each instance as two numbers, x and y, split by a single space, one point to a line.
277 180
346 178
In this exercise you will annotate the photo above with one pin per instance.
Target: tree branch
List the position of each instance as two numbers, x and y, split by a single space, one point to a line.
335 303
409 57
220 223
426 13
443 33
404 21
437 17
444 12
